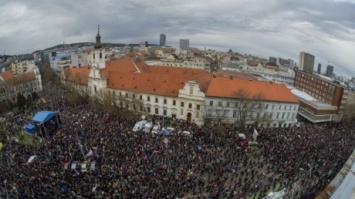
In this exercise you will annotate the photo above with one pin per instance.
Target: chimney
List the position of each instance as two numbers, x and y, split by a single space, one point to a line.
231 77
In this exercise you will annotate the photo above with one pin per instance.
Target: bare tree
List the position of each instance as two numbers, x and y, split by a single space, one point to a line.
215 114
247 106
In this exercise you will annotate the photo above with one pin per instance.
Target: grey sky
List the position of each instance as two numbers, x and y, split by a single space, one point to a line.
280 28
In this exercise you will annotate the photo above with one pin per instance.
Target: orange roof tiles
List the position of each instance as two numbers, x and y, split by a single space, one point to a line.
11 79
236 74
227 87
7 75
119 65
167 83
78 75
202 76
133 55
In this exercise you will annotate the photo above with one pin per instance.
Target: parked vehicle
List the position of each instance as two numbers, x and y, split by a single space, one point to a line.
148 126
139 126
156 128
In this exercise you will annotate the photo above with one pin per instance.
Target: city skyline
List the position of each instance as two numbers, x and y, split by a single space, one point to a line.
276 28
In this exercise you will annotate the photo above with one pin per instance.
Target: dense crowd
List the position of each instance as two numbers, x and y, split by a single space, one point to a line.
145 165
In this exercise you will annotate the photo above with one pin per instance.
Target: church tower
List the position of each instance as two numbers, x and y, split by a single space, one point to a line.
96 82
98 53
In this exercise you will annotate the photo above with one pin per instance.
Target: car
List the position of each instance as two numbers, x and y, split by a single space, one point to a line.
156 128
148 126
139 125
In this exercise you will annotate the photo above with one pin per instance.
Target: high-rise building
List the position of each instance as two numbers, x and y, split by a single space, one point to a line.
162 40
306 62
330 71
319 68
184 44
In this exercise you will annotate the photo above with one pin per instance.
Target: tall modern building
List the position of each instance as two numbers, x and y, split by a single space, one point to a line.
162 40
330 71
319 68
184 44
306 62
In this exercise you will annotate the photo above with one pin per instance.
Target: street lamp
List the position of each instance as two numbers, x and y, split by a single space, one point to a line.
5 181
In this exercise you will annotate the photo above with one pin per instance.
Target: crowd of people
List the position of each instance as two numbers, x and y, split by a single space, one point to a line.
205 164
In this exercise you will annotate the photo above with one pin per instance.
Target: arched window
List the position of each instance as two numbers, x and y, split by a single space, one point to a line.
93 55
100 55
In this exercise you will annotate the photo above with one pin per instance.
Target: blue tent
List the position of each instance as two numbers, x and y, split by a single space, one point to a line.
43 116
30 129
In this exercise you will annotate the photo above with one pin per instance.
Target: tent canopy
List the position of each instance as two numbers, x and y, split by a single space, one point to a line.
43 116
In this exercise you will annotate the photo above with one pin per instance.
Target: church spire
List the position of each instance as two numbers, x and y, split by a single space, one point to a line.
98 39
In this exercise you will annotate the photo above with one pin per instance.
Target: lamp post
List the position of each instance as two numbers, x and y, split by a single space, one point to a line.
7 195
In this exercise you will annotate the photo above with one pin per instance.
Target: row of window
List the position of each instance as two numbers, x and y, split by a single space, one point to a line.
253 105
157 100
149 109
277 115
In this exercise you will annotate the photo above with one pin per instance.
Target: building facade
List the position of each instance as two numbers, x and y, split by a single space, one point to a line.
26 84
182 93
257 103
330 71
330 98
319 70
306 62
184 44
21 67
162 40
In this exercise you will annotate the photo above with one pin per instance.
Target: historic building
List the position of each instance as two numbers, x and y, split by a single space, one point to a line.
182 93
26 84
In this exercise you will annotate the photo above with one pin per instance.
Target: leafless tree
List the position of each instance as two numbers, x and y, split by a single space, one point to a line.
249 107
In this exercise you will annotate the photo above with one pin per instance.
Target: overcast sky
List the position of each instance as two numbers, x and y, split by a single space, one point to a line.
279 28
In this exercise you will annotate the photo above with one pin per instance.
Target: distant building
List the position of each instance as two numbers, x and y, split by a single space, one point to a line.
319 68
330 71
20 67
162 40
272 60
306 62
26 83
284 62
184 44
326 99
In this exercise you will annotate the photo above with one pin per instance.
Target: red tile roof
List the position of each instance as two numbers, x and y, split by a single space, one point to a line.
167 84
7 75
11 79
235 74
78 75
202 76
227 87
119 65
